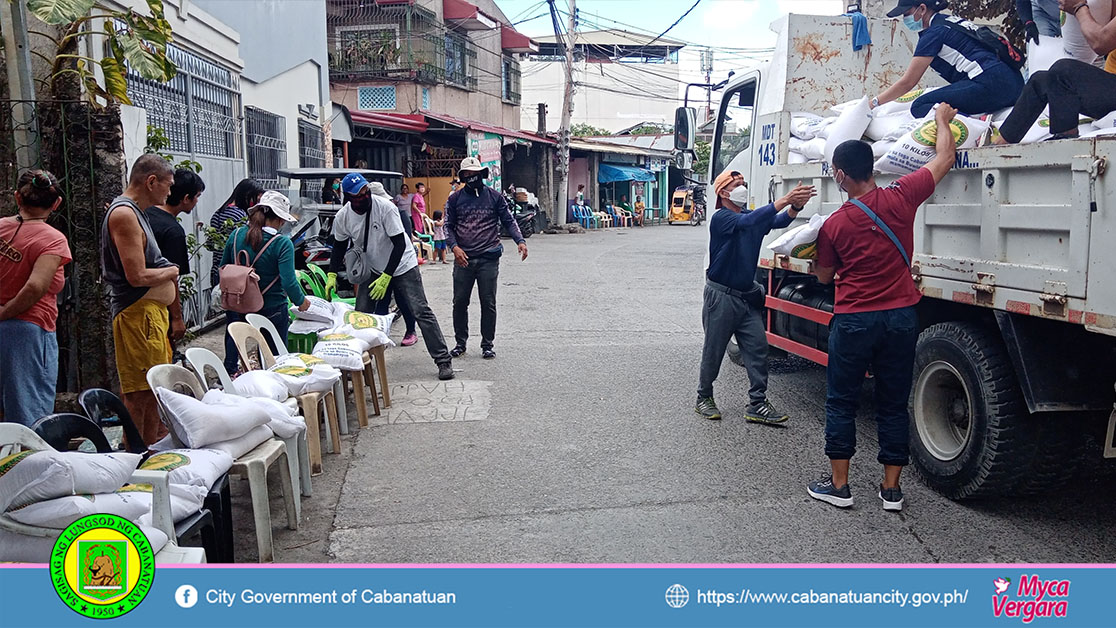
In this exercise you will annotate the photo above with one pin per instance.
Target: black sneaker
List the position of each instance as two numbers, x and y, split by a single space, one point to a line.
892 498
445 370
457 351
488 354
824 490
707 408
765 413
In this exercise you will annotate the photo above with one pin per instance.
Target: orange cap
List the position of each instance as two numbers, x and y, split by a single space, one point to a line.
722 181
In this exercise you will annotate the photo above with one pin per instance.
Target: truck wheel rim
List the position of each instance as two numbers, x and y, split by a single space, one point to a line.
943 410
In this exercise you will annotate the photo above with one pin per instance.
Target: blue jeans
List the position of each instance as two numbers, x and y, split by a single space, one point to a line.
883 341
996 88
28 371
281 318
1047 17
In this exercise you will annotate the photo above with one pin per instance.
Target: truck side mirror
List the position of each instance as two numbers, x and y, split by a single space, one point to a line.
685 126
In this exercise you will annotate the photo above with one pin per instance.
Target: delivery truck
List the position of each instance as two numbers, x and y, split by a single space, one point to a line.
1014 255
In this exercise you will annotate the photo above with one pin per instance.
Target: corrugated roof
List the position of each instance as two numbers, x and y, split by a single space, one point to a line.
598 147
614 37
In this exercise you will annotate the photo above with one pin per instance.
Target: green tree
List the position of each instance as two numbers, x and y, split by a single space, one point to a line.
582 129
1004 10
131 41
651 128
702 151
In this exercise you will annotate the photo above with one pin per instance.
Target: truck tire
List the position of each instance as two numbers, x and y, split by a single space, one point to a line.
734 352
971 434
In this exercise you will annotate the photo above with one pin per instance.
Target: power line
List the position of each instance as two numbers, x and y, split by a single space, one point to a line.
696 2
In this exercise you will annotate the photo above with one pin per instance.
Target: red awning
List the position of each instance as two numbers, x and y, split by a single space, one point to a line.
488 128
514 41
413 123
466 15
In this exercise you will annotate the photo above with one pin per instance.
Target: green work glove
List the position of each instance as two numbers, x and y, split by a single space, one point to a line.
331 285
379 287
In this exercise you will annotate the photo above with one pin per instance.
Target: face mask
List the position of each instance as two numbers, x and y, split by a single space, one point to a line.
474 182
739 196
910 22
361 204
336 186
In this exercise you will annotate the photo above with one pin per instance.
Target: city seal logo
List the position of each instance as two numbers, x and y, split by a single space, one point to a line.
102 566
927 134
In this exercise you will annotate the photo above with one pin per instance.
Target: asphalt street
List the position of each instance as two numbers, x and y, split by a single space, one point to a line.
580 444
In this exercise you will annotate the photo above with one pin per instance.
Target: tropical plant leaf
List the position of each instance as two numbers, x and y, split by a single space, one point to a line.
60 11
156 8
142 57
116 83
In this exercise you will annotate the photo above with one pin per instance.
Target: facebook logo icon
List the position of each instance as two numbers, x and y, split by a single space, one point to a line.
186 596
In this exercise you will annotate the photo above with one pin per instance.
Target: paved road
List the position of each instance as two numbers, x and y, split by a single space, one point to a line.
590 450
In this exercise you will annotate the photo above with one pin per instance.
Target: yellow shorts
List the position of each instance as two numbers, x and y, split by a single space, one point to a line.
140 335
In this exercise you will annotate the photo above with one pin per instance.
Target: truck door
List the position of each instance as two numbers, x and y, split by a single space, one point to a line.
732 142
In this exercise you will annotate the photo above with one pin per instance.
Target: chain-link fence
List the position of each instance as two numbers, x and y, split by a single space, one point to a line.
83 147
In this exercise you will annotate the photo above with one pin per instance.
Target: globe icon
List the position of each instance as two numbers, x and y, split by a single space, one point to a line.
677 596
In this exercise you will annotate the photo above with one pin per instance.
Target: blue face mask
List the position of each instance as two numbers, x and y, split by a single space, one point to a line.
910 22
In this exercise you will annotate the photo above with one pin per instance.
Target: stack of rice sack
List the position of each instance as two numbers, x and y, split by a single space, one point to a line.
344 334
51 489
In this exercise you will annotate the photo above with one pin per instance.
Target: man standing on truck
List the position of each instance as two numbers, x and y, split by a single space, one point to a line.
866 244
734 301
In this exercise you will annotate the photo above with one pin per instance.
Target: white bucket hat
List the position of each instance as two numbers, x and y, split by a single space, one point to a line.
278 203
472 165
377 189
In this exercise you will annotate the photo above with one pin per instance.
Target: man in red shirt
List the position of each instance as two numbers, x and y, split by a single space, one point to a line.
875 325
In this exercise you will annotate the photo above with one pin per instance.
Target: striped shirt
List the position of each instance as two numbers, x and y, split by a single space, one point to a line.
229 212
956 55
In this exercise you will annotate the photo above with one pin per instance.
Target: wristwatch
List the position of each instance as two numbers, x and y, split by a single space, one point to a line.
875 102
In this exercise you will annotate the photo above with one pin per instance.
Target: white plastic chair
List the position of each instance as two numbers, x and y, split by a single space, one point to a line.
203 361
15 437
241 333
265 326
253 465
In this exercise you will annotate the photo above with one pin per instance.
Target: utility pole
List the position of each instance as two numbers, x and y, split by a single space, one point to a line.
21 88
707 68
563 179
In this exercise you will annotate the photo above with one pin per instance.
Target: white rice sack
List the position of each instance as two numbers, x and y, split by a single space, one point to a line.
340 308
259 383
809 126
62 511
902 130
917 148
812 150
341 351
881 148
285 422
849 126
1001 115
319 310
21 548
1039 131
1042 55
1100 132
883 126
197 424
299 326
802 241
304 373
185 499
237 447
796 158
191 466
903 103
372 329
1106 122
34 476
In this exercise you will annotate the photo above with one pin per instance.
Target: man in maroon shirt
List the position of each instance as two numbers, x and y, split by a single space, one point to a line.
875 325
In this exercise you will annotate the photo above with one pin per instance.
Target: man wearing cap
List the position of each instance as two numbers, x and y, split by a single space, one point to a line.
733 302
473 217
383 260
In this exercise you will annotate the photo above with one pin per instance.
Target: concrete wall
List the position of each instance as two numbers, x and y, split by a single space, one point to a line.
616 95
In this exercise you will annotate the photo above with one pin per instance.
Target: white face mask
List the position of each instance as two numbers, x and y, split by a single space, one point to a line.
739 196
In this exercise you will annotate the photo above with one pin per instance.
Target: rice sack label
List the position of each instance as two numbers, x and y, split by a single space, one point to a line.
360 320
918 148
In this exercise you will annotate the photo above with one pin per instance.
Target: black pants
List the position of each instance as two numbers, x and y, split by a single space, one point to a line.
383 306
408 289
1070 88
484 272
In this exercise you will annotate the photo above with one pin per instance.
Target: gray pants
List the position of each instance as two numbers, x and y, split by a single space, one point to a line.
484 271
724 315
408 290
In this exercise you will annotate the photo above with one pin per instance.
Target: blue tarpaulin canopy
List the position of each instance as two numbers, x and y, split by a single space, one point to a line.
608 173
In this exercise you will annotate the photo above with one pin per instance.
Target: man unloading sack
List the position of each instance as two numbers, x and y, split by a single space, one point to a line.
733 303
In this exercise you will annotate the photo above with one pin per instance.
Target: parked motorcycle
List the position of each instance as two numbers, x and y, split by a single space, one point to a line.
525 215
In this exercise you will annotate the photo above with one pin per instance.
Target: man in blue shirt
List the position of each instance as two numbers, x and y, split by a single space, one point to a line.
733 303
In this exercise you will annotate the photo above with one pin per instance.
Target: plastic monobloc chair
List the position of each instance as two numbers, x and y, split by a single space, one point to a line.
59 429
203 361
254 464
245 337
105 409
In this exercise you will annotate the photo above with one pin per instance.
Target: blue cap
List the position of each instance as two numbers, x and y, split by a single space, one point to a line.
353 183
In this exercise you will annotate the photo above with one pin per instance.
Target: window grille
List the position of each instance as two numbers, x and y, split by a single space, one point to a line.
376 98
266 145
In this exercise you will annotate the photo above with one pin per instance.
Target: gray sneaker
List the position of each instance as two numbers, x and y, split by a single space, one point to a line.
822 489
707 408
892 498
765 413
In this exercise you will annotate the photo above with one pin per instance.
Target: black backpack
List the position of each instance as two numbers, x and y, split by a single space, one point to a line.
991 40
